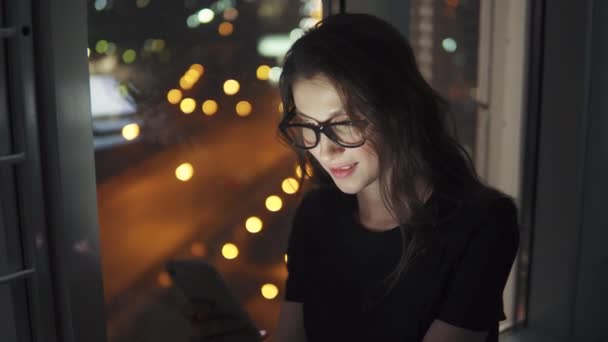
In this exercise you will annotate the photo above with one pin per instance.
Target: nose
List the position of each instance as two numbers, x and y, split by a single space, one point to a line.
328 150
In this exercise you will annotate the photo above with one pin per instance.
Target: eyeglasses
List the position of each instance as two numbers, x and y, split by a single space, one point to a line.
347 134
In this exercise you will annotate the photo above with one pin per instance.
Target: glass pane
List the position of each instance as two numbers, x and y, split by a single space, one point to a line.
185 108
444 36
473 52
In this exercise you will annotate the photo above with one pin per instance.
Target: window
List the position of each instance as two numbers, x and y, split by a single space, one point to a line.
185 108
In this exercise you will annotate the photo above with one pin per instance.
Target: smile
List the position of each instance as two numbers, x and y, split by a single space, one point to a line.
343 171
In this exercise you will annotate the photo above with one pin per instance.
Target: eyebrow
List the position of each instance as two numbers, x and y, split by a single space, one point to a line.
332 115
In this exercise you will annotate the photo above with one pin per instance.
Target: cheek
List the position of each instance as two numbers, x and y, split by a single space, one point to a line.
368 155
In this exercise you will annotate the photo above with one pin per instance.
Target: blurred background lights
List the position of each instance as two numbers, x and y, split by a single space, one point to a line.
296 34
275 74
209 107
243 108
174 96
231 87
230 251
262 72
254 224
205 16
130 131
307 23
158 45
142 3
129 56
192 21
274 203
198 249
101 46
225 29
100 5
449 45
274 45
198 68
187 105
111 48
184 172
269 291
88 52
231 13
185 83
299 170
192 74
285 257
290 186
164 280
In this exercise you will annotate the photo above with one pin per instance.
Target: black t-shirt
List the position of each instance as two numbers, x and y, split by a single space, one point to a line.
336 268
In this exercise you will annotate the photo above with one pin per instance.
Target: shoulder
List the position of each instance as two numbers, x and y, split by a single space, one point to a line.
490 217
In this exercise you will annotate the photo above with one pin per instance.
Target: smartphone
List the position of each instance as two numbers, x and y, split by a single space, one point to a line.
198 280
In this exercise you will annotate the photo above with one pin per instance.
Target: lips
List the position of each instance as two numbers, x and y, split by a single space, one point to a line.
343 171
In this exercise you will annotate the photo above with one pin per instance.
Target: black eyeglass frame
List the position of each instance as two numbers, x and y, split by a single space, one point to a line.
318 129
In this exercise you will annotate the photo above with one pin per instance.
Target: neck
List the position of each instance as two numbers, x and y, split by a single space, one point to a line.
374 214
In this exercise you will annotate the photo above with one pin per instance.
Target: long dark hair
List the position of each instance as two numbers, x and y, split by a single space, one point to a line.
373 68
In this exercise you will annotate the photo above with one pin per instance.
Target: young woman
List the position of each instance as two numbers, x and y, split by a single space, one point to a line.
398 240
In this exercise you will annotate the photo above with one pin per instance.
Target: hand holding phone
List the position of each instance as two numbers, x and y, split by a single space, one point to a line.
212 309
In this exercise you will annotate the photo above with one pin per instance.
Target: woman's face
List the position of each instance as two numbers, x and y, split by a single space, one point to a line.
352 169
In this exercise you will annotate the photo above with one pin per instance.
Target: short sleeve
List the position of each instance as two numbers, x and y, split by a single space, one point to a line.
473 299
298 258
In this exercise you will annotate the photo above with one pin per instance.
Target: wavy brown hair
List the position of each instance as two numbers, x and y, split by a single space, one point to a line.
373 68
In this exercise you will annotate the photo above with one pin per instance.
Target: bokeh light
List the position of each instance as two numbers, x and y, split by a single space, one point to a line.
198 249
449 45
225 29
130 131
192 74
142 3
205 15
111 48
198 68
100 5
101 46
185 84
209 107
243 108
164 280
299 170
290 186
231 87
275 74
262 72
184 172
274 203
129 56
174 96
192 21
269 291
285 257
230 251
187 105
254 224
231 13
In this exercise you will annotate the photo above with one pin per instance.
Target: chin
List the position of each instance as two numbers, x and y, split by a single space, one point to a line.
348 187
